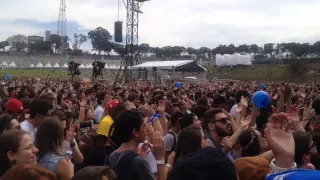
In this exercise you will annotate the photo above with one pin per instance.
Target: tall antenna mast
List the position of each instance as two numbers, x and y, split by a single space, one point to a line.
132 56
62 26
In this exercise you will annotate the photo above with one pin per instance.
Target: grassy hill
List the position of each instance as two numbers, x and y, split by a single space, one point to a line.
271 72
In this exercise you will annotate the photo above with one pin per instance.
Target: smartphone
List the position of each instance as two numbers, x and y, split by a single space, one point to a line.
86 124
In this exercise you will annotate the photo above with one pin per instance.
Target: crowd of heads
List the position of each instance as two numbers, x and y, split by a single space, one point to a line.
57 129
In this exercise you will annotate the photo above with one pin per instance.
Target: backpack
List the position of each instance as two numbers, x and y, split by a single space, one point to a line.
175 141
124 165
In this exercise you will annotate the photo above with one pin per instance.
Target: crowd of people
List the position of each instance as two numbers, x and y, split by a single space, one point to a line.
55 129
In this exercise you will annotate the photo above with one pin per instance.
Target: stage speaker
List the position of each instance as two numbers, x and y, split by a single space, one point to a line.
118 31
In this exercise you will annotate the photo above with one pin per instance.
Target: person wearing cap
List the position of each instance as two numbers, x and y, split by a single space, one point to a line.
113 108
14 107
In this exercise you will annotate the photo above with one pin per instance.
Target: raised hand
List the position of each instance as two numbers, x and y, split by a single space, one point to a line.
246 121
158 146
293 114
83 102
308 112
244 102
302 92
144 149
279 136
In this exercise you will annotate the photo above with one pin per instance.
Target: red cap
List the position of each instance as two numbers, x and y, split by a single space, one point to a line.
14 106
112 104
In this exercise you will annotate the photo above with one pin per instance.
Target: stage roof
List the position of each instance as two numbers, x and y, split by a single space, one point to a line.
180 65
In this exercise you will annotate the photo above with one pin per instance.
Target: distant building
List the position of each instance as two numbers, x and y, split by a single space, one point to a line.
34 39
47 36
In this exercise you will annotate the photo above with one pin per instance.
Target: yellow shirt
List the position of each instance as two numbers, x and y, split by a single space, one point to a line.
104 126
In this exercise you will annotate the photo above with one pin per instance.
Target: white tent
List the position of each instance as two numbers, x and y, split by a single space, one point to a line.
65 65
56 65
186 65
89 66
32 66
82 66
39 65
234 59
12 65
3 64
48 65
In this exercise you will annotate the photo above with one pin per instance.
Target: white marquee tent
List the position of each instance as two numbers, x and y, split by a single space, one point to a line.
32 66
56 65
39 65
182 65
48 65
12 65
82 66
65 65
89 66
3 64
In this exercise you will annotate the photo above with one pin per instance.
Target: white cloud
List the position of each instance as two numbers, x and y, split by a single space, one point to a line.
187 22
8 29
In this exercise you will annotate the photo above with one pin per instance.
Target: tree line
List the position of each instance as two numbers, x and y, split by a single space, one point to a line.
102 41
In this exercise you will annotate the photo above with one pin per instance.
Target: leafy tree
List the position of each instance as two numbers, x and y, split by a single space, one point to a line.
120 49
144 48
167 52
55 42
254 48
157 51
222 49
203 51
299 50
191 51
316 48
79 39
18 41
231 49
243 48
4 44
268 48
177 50
101 40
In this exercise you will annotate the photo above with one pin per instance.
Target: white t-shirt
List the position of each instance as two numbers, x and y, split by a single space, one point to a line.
98 114
151 161
233 110
29 128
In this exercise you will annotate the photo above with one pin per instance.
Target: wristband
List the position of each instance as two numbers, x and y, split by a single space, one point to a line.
160 162
275 169
169 165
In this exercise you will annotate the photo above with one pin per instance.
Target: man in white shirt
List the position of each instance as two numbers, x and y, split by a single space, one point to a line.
39 109
99 111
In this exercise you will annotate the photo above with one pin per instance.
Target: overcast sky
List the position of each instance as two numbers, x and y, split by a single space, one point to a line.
175 22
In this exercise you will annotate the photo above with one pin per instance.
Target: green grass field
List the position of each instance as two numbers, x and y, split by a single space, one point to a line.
43 73
271 72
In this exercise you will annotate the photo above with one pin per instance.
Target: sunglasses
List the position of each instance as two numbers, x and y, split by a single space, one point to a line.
222 120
